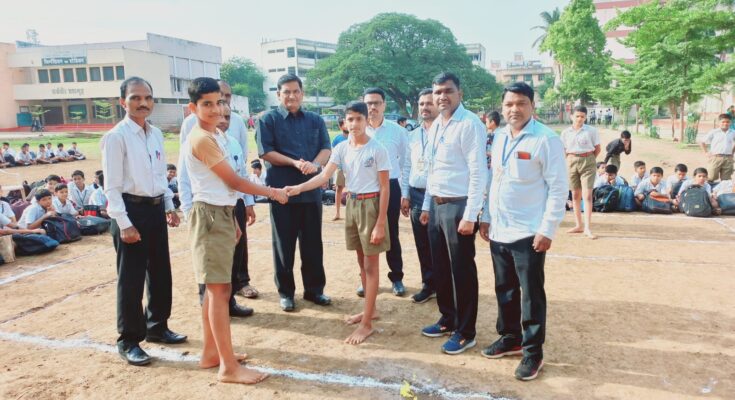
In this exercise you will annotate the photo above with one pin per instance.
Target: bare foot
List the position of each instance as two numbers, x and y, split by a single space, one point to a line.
359 335
589 234
357 318
213 361
576 229
336 218
243 375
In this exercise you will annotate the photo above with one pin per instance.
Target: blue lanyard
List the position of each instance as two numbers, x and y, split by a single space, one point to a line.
505 157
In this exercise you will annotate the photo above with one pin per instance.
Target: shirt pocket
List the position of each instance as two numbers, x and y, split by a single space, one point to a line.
312 142
523 170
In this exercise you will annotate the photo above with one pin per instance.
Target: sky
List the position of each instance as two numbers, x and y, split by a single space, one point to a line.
238 27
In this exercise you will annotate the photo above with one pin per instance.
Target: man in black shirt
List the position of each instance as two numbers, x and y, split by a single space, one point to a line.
617 147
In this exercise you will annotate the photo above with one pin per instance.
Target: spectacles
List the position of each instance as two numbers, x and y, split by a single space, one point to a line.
373 103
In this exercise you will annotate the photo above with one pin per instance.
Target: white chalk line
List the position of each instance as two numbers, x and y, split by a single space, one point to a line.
630 260
721 222
38 270
603 236
322 378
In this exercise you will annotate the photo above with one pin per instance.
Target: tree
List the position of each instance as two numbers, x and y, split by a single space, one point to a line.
678 46
550 18
246 80
400 54
578 45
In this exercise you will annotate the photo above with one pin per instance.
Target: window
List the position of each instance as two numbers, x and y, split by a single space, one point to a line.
42 76
271 51
513 78
273 70
292 70
169 101
77 112
290 52
281 69
94 74
68 75
81 74
108 73
541 77
120 72
55 75
528 77
273 89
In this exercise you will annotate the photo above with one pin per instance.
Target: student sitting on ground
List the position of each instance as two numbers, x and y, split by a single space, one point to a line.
98 196
724 187
25 158
258 177
75 152
61 202
50 149
35 214
96 182
700 179
600 170
51 182
79 192
610 178
7 211
618 146
44 156
3 163
8 154
62 155
673 183
173 184
639 175
653 185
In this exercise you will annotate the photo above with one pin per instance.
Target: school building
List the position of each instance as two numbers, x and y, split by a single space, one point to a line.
79 84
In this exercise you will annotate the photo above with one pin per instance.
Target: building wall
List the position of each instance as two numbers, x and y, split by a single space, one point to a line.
7 103
150 66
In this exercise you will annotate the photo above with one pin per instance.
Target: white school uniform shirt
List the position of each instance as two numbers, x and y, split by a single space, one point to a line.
62 153
602 181
361 165
723 187
395 139
719 141
458 163
646 186
258 180
25 157
416 169
30 215
80 198
527 197
67 208
9 151
133 162
98 198
6 214
635 180
690 182
77 153
580 141
671 181
43 155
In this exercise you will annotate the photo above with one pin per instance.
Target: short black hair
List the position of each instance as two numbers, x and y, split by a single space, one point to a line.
374 90
639 164
425 91
201 86
681 168
101 179
624 134
700 170
580 108
256 164
6 143
657 170
41 145
521 88
98 172
289 78
60 186
340 121
73 142
600 164
611 169
53 178
41 193
358 107
77 173
494 116
725 116
170 167
60 145
444 77
401 119
133 80
25 145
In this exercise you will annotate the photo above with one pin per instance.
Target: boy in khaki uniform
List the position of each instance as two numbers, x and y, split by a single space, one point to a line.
366 166
213 231
722 147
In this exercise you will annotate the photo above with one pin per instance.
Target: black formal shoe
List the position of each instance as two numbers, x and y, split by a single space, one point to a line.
398 289
134 355
240 311
287 304
318 299
167 336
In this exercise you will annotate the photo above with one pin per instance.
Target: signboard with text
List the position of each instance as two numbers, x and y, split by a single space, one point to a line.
50 61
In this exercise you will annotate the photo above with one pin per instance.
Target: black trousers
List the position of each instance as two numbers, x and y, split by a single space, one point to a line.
302 222
453 258
240 276
421 238
145 262
393 256
519 288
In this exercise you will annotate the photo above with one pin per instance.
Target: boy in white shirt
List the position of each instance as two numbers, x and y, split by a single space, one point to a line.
639 175
75 152
366 166
79 193
610 177
98 197
674 182
35 214
44 155
723 188
62 155
653 185
25 158
700 179
61 202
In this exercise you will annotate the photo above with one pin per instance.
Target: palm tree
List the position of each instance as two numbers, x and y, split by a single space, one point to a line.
549 19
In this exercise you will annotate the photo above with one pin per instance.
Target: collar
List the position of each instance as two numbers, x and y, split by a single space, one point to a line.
382 124
134 126
458 115
285 113
528 129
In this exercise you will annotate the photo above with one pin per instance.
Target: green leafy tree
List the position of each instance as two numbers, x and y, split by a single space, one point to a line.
400 54
549 18
246 79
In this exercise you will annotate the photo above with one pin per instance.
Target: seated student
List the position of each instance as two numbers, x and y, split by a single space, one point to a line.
79 192
96 183
700 179
25 158
51 182
50 148
62 155
724 187
7 212
3 163
75 152
44 156
639 175
61 202
35 214
98 197
653 185
674 182
610 178
618 146
8 154
258 177
173 184
600 169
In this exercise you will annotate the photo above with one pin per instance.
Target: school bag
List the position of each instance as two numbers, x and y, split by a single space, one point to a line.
91 225
695 202
63 229
31 244
727 203
18 207
656 205
675 188
605 199
626 198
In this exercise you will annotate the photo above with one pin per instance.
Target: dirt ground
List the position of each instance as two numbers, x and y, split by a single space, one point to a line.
641 313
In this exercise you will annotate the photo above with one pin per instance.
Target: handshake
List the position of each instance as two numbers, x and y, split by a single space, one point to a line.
282 195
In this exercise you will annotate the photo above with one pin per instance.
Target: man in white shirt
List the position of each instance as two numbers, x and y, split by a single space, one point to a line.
413 188
722 147
394 138
453 200
139 202
524 209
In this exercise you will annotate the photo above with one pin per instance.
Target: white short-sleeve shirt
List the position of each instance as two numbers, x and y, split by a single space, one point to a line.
361 165
580 141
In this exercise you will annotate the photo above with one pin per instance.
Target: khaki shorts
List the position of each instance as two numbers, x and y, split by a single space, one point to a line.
340 178
581 171
212 235
720 168
359 223
615 160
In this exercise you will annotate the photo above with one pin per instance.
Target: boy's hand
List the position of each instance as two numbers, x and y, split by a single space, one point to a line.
50 214
466 227
424 218
250 214
280 195
405 206
485 231
378 234
39 231
293 190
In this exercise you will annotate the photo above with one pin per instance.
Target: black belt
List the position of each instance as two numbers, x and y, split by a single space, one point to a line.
153 201
422 190
445 200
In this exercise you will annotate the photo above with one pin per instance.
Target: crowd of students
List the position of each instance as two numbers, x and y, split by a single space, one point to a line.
45 155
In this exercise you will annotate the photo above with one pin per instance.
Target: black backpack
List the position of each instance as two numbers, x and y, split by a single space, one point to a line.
653 206
93 225
727 203
32 244
63 229
605 199
695 202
